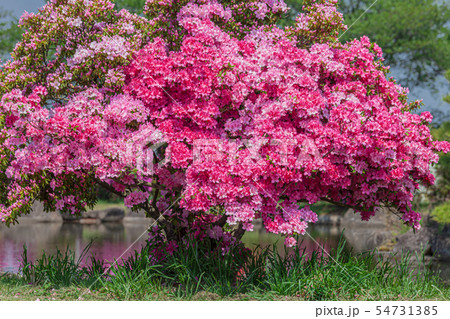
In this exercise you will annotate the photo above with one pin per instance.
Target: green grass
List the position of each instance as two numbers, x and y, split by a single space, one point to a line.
101 205
197 272
56 270
327 208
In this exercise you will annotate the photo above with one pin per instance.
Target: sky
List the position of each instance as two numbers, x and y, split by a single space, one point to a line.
18 6
431 98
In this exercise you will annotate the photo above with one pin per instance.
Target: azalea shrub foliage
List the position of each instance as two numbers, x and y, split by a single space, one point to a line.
206 115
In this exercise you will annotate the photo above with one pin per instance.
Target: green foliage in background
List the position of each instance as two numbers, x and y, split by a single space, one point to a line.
413 34
296 8
9 32
134 6
441 213
440 192
447 76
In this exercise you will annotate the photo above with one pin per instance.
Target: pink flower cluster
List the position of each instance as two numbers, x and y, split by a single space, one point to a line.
220 119
236 17
344 127
82 41
87 138
136 198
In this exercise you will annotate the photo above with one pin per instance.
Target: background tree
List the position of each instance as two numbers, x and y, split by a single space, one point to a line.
439 194
437 197
447 97
135 6
9 32
414 34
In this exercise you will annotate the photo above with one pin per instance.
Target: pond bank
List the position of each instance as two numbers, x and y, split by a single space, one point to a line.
112 214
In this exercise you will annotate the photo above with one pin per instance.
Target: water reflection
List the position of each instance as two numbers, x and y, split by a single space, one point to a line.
112 239
317 238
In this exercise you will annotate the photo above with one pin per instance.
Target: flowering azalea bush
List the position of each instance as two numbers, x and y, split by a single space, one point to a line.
206 115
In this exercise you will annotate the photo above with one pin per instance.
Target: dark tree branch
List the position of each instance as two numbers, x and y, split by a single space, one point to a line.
222 221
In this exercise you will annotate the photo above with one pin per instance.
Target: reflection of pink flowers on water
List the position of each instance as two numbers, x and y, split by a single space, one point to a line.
112 241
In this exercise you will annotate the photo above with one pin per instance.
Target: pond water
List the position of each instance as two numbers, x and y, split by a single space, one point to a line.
110 240
115 241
